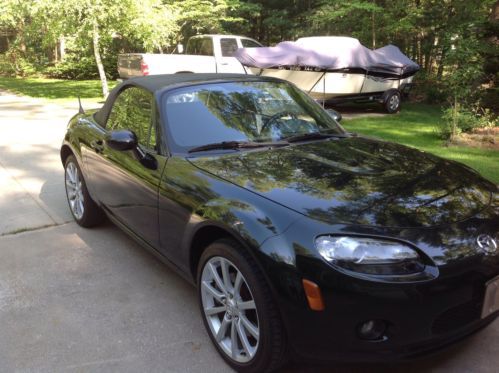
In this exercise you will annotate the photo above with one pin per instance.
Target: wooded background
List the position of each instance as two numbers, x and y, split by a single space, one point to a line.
456 42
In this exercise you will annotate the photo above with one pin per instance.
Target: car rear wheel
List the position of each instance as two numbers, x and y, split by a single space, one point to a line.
238 310
84 210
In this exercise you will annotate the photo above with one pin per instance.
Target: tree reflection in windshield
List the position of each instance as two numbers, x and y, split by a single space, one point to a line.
242 111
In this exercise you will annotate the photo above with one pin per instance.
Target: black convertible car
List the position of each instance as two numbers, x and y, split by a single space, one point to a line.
303 240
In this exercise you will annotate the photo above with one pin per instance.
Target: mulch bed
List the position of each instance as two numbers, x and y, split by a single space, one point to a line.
480 138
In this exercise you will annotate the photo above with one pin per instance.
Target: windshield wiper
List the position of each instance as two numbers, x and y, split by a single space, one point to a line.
312 136
234 145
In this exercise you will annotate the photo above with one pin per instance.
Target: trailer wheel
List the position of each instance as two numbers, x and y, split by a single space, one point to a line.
392 102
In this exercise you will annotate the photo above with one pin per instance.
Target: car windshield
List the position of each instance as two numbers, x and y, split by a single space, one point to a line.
257 111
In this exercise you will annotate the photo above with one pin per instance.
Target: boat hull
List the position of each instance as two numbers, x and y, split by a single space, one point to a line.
331 85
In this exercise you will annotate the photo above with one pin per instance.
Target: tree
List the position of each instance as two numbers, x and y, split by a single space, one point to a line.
149 21
13 15
204 16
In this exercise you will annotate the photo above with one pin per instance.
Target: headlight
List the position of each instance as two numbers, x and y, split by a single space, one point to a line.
369 255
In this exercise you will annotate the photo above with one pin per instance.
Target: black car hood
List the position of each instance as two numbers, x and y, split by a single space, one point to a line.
357 180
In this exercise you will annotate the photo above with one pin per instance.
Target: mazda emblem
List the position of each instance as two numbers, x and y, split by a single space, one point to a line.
486 243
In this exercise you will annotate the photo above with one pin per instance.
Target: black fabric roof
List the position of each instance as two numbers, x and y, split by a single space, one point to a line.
158 83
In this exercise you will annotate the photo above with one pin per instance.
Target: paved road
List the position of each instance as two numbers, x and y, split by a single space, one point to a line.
73 299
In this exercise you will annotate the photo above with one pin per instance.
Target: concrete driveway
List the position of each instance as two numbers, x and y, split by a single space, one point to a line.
73 299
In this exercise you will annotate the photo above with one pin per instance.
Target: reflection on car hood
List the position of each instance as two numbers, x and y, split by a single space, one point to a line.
357 181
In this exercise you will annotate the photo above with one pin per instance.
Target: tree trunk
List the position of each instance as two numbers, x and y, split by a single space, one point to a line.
62 48
455 111
428 53
420 55
21 37
440 70
98 61
373 28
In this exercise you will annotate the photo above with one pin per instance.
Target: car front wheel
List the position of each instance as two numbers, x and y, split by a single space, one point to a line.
84 210
238 310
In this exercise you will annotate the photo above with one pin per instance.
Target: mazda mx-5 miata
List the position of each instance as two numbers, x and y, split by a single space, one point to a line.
303 240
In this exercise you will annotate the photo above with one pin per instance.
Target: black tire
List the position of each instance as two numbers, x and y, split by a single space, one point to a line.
271 349
392 102
92 214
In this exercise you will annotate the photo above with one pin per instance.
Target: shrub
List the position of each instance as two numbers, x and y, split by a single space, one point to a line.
6 66
435 94
72 68
15 65
490 99
24 67
457 119
81 68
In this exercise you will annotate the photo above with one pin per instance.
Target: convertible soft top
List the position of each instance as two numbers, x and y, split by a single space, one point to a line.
329 54
156 83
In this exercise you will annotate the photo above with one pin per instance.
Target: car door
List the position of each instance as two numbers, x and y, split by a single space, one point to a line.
226 62
126 182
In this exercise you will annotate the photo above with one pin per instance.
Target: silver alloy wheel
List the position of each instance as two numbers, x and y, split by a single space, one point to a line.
74 191
230 310
394 102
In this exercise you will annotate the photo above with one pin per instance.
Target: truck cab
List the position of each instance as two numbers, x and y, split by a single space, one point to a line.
222 48
203 54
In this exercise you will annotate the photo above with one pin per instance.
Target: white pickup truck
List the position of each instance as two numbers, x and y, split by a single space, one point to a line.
203 54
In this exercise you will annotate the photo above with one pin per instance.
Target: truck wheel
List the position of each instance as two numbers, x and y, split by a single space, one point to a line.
392 102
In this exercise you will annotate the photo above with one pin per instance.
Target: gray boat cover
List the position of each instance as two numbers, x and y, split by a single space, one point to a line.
328 54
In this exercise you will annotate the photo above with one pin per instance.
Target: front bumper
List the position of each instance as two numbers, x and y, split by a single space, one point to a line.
420 318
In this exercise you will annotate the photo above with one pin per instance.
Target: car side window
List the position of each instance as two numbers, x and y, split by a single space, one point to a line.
228 46
193 46
206 48
200 46
248 43
132 110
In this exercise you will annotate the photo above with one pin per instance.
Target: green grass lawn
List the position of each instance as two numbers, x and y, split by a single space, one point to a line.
55 90
416 125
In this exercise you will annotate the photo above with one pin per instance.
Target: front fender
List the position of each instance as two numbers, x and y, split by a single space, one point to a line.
259 231
248 221
192 200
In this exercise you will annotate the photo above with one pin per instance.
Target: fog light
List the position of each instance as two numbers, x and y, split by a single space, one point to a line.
372 330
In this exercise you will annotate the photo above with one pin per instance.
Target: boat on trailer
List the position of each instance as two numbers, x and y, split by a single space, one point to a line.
336 69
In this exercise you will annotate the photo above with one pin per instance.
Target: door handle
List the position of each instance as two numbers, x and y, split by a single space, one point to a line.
97 145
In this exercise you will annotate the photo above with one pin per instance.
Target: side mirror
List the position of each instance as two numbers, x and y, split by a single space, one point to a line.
122 140
180 48
334 114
